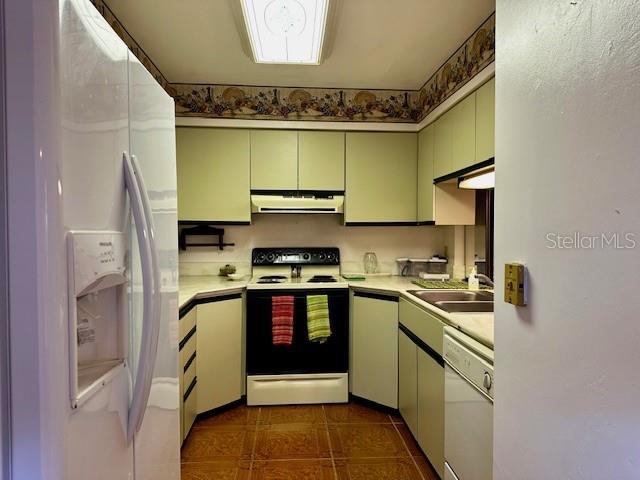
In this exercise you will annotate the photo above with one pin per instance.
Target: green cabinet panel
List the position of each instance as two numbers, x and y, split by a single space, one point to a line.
408 381
381 177
485 121
425 174
320 160
219 353
213 174
443 145
428 375
431 410
274 160
463 133
374 349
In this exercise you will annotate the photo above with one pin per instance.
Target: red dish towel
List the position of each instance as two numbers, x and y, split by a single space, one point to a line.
282 320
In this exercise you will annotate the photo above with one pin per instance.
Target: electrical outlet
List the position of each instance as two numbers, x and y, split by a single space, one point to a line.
515 283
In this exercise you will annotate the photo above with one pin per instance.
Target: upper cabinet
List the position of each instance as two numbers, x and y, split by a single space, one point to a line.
443 145
381 177
290 160
274 160
485 121
213 174
426 147
463 133
321 161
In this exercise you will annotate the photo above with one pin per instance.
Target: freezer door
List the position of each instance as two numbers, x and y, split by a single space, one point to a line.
94 106
152 143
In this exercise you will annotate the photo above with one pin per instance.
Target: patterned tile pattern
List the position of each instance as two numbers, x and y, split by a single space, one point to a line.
315 442
326 104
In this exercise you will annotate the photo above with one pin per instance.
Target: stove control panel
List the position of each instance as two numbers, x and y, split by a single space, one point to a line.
296 256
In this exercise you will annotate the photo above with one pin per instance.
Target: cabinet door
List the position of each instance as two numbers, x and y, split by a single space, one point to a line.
375 349
463 132
423 324
219 349
213 174
425 174
274 160
189 408
408 381
381 177
431 409
443 146
321 161
485 121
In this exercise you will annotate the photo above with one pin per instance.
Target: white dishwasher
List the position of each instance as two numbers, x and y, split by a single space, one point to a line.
468 408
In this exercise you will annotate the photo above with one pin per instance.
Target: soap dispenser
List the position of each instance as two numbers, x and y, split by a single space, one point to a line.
474 281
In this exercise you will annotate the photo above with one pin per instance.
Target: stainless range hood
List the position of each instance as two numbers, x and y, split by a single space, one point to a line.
297 204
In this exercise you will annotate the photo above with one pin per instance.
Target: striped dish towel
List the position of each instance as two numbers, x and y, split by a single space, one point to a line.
318 323
282 320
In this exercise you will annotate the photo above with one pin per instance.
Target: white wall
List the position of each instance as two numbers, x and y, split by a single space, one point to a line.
389 243
568 159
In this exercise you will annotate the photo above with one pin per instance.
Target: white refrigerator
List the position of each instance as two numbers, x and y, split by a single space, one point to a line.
106 392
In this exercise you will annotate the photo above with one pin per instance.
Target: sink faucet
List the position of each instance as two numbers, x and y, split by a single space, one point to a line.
482 277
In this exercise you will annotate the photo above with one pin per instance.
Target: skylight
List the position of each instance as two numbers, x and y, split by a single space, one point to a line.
286 31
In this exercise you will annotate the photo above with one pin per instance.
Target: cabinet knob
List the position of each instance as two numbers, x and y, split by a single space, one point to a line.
487 381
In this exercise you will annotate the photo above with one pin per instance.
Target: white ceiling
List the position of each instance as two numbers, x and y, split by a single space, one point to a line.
388 44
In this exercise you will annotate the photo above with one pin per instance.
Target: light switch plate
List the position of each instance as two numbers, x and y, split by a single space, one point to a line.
515 284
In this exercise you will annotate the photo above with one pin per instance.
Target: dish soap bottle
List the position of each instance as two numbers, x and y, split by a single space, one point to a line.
474 281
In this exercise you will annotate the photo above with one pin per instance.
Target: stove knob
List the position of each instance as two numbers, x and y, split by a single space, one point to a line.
487 381
331 256
271 257
321 257
260 258
306 256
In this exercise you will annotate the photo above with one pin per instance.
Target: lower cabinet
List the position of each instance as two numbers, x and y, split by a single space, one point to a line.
431 409
187 371
219 348
421 379
408 381
374 348
189 407
211 356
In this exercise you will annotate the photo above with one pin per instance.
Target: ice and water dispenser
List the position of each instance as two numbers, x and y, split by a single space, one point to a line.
98 310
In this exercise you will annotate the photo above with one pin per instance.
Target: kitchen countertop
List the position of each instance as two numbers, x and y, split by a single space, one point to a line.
476 325
203 286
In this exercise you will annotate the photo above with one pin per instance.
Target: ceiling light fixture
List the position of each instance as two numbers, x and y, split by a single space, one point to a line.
286 31
478 180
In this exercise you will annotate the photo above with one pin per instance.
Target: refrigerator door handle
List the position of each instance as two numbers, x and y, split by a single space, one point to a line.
151 284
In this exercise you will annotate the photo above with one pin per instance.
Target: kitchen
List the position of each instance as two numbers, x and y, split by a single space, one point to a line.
258 258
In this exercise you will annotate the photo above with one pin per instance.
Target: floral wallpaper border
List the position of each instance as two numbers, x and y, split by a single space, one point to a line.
322 104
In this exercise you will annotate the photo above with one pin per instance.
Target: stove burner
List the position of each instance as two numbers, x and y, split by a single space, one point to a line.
272 279
322 279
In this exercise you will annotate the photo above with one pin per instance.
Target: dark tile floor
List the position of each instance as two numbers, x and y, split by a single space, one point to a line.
317 442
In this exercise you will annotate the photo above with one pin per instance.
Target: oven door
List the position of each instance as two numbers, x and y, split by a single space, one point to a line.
302 356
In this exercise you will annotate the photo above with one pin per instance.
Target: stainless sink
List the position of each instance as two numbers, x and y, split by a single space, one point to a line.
431 296
459 307
454 301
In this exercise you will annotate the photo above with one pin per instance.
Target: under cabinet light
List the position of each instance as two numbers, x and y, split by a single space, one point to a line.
286 31
478 180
